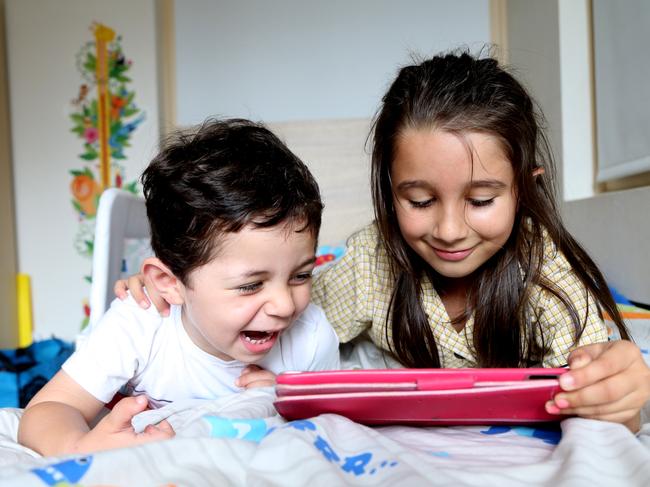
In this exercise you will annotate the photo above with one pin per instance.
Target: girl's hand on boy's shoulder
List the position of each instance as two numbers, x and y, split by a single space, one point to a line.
115 429
607 381
136 285
255 376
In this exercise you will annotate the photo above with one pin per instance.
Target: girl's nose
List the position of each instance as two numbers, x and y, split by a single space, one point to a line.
450 225
281 303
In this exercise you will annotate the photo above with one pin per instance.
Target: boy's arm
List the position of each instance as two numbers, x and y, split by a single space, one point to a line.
56 421
58 416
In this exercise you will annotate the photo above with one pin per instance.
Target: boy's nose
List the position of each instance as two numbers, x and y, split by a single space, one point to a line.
450 225
281 303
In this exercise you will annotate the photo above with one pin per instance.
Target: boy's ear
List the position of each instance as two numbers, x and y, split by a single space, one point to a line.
163 280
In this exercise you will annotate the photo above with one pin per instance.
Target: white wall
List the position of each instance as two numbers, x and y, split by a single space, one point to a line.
306 60
278 61
316 72
43 38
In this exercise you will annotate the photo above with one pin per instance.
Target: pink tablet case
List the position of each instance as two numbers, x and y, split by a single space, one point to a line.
421 396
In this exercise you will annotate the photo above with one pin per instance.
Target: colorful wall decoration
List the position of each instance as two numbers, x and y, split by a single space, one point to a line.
51 230
104 117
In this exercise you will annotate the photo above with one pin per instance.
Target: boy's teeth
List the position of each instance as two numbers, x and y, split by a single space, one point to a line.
261 337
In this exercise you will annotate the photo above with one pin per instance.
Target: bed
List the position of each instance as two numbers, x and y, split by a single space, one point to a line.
241 440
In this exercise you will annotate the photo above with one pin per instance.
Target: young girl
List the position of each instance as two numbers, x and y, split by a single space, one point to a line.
468 263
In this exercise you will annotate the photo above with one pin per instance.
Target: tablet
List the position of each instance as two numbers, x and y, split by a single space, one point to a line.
424 397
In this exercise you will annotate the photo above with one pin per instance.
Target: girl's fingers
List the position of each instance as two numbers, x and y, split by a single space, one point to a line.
607 381
141 282
161 305
135 284
120 288
608 391
617 414
602 413
595 408
593 363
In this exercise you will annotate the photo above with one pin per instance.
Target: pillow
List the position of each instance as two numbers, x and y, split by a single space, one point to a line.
328 255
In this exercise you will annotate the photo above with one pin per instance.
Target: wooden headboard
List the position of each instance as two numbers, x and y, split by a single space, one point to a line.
335 152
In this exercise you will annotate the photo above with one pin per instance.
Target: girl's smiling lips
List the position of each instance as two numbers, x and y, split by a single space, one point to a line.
452 255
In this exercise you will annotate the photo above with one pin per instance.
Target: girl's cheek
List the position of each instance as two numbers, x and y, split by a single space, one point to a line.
492 230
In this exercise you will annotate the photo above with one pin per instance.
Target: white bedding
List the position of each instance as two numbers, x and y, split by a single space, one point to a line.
240 440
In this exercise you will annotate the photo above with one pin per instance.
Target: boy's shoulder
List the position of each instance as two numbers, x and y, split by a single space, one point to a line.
128 318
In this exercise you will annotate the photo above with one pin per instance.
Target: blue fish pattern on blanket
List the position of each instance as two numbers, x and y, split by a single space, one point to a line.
67 471
244 429
359 464
550 436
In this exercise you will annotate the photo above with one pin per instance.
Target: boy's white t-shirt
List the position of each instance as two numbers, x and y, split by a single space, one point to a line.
153 355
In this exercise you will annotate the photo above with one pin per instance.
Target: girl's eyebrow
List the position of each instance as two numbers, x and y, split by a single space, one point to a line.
479 183
487 183
411 184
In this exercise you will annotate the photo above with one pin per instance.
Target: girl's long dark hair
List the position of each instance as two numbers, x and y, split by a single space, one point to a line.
459 93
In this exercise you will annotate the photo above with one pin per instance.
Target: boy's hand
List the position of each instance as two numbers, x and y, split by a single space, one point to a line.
255 376
136 284
607 381
115 430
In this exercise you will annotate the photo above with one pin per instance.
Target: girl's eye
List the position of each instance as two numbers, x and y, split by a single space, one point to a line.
421 204
480 203
302 277
249 288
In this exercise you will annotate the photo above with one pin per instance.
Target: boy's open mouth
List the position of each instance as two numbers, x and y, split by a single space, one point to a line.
257 337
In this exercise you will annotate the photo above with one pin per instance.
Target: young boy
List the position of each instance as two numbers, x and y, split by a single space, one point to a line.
234 218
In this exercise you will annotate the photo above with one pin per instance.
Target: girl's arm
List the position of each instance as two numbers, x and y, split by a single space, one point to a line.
56 421
607 381
136 285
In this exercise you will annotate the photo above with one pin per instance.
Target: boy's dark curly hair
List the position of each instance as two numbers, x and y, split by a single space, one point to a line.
218 178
